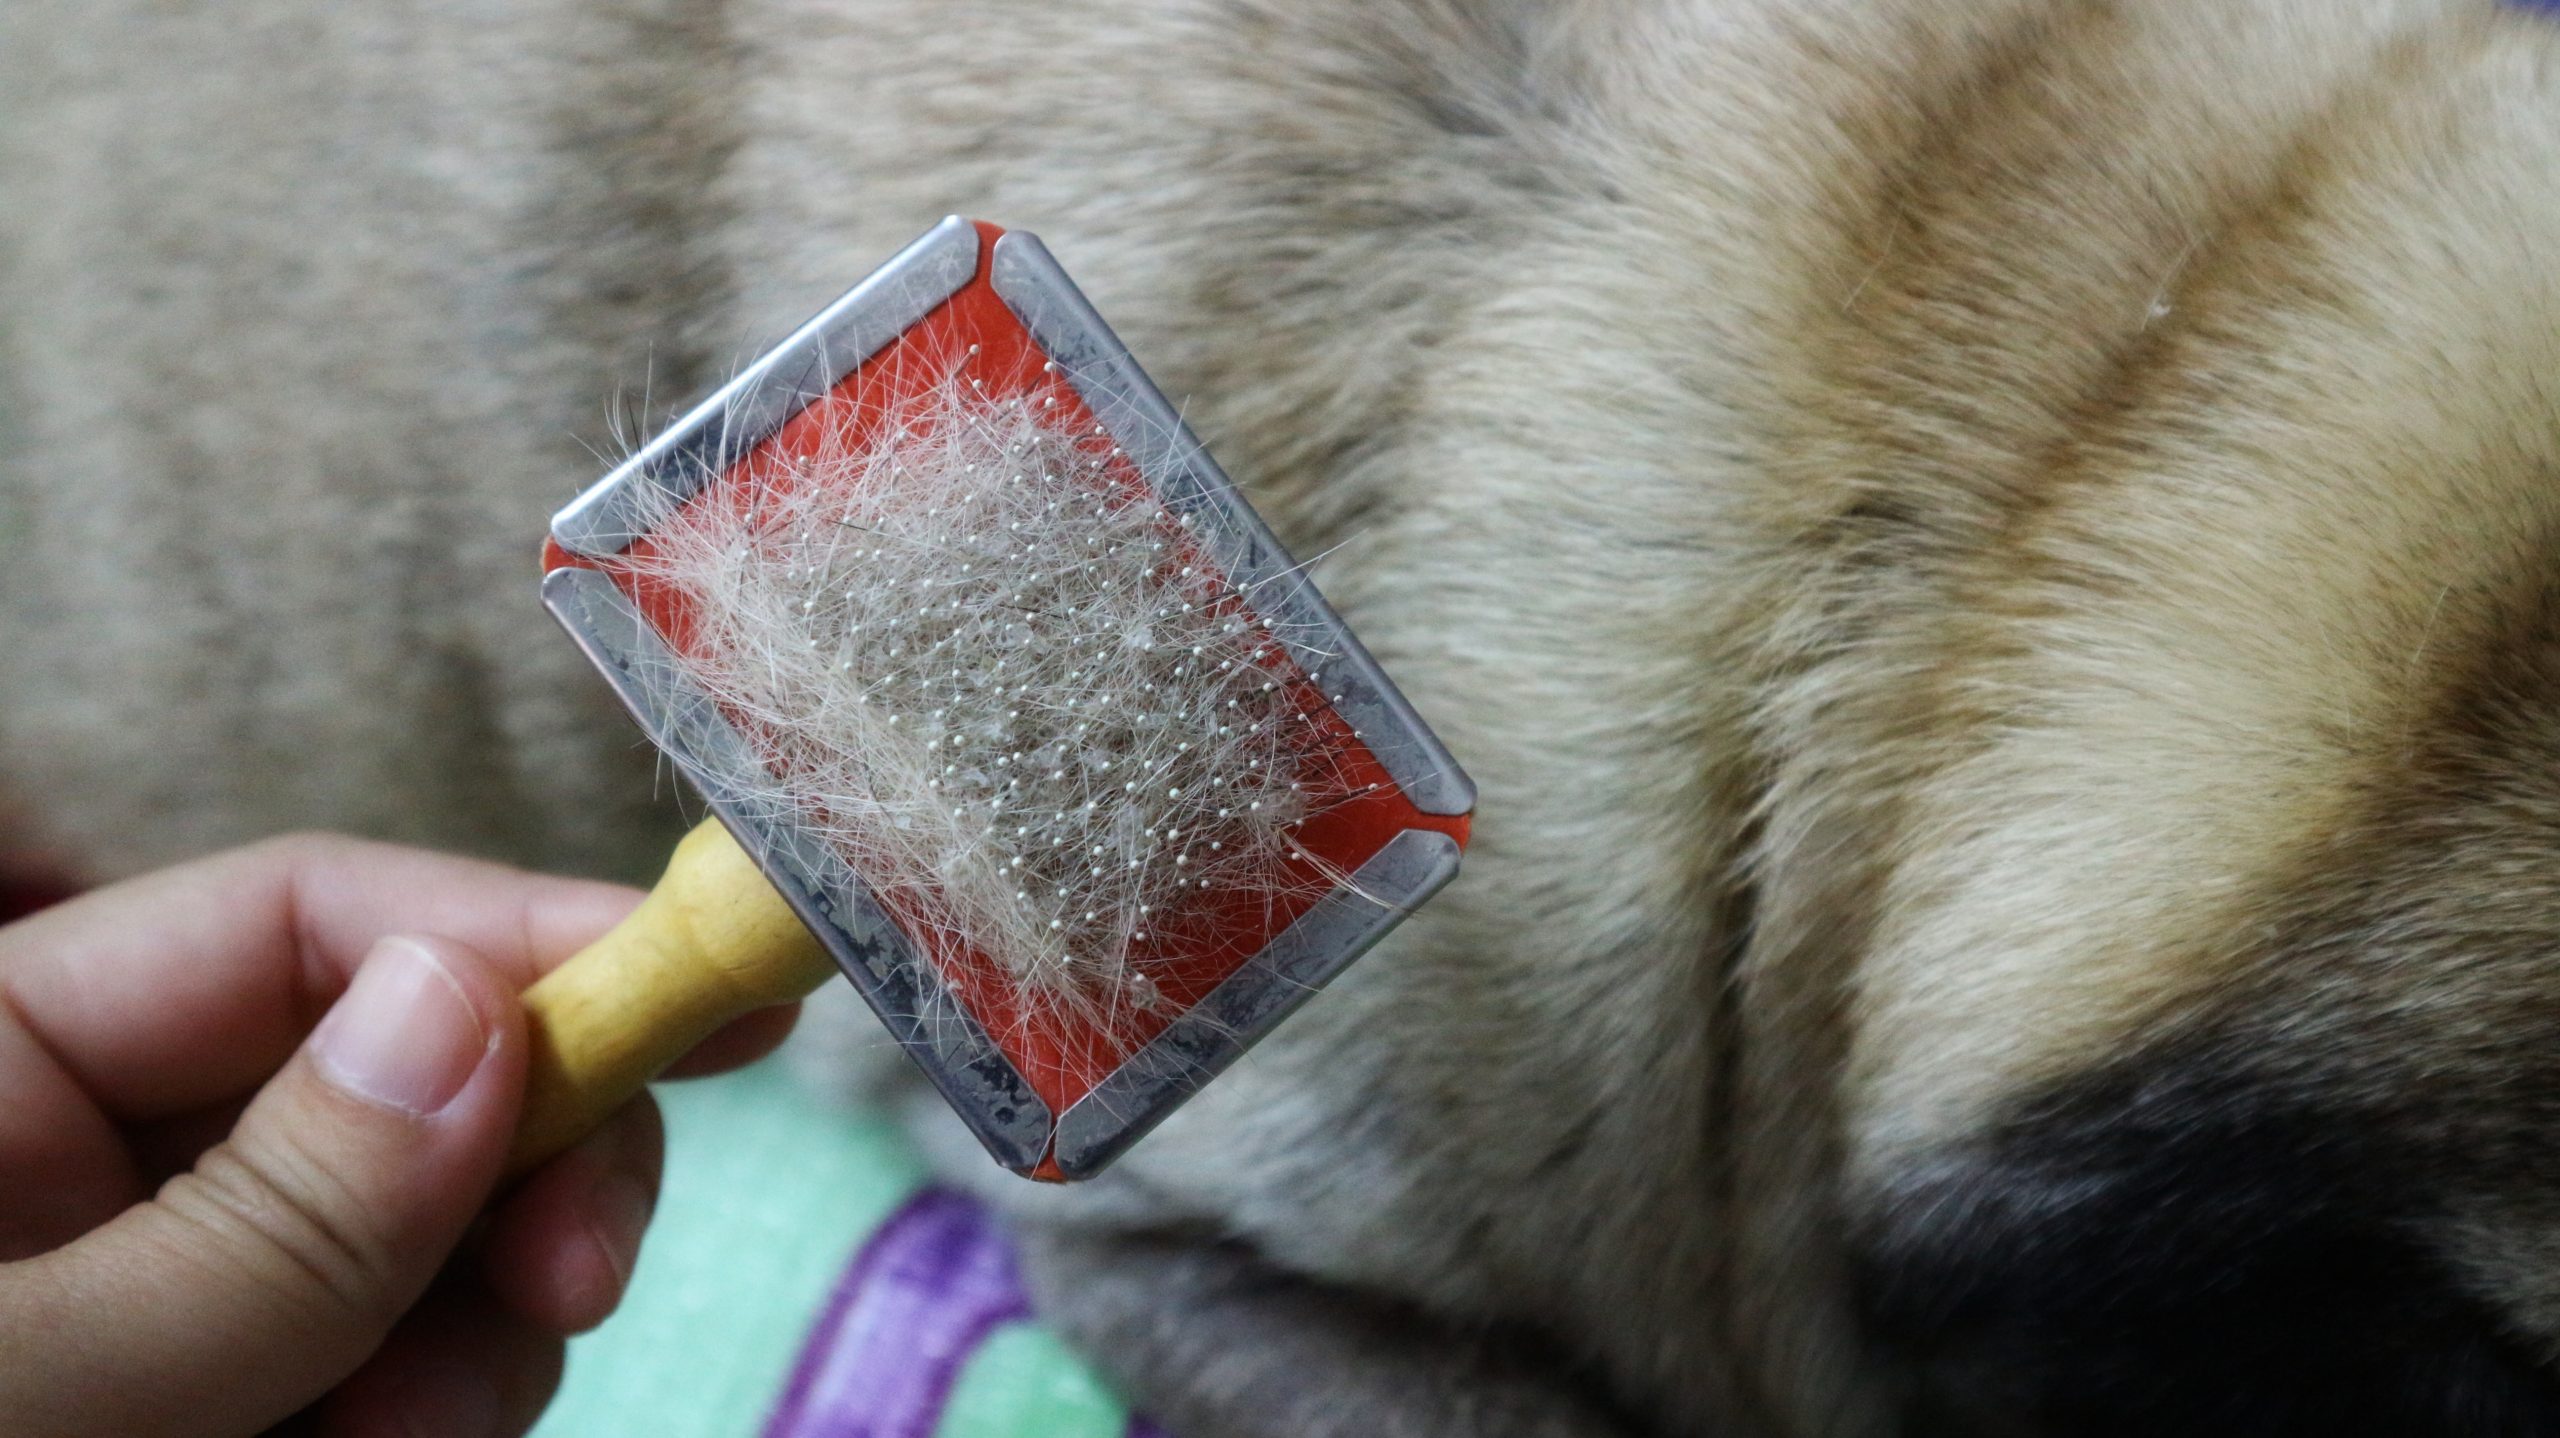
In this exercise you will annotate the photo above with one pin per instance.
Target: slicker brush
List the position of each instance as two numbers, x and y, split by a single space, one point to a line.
1006 705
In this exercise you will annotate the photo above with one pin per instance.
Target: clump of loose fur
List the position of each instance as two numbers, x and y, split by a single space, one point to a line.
1005 683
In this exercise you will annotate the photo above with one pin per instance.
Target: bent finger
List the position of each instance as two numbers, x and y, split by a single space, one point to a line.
181 989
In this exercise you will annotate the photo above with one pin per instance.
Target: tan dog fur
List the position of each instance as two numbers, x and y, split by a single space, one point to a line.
1993 562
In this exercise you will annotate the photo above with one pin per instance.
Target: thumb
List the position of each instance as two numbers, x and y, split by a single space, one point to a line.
255 1283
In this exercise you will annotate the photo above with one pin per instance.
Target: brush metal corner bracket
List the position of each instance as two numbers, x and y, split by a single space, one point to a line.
1146 427
1235 1015
615 510
907 994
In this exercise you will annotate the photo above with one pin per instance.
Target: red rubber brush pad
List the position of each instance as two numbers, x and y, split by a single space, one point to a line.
1188 954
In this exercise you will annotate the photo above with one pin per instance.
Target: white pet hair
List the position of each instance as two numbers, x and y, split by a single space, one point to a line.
1006 685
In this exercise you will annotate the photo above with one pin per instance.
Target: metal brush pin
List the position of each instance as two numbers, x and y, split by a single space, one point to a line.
1007 706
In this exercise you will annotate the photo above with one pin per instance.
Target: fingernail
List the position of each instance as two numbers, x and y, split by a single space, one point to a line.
448 1403
404 1036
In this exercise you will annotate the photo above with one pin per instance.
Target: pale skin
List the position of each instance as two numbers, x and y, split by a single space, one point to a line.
239 1188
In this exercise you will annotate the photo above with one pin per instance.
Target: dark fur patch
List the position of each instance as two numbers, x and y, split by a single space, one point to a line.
2179 1246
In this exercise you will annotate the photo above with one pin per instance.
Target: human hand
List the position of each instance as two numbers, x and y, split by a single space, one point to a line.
313 1184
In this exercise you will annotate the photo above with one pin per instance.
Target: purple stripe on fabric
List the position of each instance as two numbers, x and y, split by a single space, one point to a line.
912 1307
1141 1426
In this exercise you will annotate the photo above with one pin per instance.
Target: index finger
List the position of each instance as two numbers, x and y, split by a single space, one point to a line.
181 988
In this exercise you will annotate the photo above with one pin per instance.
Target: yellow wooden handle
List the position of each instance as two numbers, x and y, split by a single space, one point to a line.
712 941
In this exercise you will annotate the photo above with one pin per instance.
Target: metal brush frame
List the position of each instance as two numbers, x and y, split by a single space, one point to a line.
1017 1128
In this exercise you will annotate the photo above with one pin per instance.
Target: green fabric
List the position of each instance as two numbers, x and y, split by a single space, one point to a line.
1023 1381
767 1195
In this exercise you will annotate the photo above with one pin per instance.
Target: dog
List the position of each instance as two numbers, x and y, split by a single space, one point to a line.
1997 563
